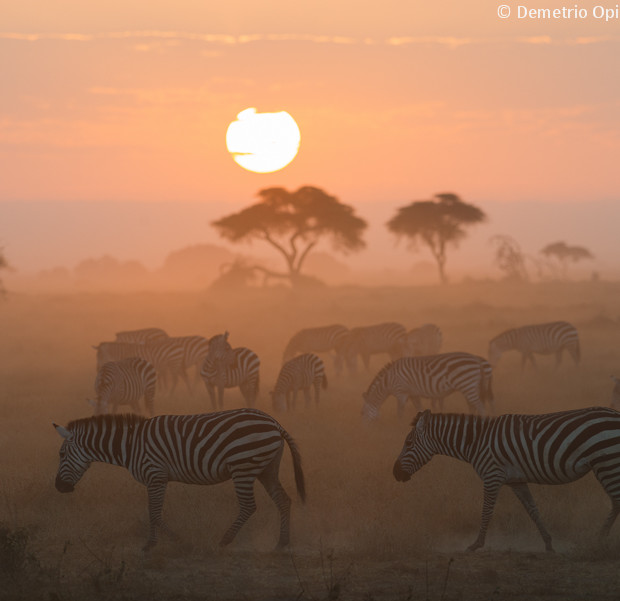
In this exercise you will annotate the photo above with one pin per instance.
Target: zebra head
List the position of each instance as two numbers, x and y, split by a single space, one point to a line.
73 461
495 352
415 452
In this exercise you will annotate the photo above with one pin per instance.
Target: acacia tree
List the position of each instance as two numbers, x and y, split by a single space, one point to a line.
293 223
509 258
436 223
565 254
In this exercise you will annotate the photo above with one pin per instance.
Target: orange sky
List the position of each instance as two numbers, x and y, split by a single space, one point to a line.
130 101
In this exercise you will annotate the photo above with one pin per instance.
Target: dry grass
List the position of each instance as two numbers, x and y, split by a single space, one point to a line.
361 534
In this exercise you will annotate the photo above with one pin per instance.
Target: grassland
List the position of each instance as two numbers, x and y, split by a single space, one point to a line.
361 535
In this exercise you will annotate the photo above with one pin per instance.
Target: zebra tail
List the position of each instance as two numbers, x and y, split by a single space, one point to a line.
300 482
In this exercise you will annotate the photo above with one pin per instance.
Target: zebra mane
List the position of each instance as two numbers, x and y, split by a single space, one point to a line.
467 417
107 420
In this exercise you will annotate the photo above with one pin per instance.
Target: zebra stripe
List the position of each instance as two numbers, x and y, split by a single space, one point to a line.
542 338
434 377
237 367
555 448
125 382
315 340
142 336
242 445
425 340
365 341
300 373
166 357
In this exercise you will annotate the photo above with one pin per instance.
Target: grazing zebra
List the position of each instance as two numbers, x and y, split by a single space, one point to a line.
142 336
166 357
615 394
227 367
434 377
300 373
125 382
425 340
555 448
242 445
542 338
315 340
365 341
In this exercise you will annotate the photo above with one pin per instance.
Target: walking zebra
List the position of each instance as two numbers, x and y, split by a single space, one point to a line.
425 340
434 377
125 382
315 340
142 336
227 367
365 341
542 338
555 448
166 357
300 373
240 445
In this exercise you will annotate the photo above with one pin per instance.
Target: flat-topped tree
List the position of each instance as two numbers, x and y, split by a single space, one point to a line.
293 223
436 223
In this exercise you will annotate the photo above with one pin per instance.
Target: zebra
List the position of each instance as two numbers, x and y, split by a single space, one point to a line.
301 372
425 340
615 394
542 338
166 357
315 340
195 349
142 336
555 448
125 382
227 367
388 337
239 445
434 377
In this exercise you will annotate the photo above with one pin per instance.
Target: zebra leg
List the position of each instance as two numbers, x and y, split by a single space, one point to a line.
307 396
211 391
156 490
525 496
220 397
607 474
491 490
244 488
558 358
317 393
271 481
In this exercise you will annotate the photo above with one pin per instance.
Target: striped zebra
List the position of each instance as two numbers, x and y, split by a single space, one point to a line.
615 394
388 337
142 336
166 356
434 377
300 373
555 448
315 340
125 382
227 367
241 445
195 349
542 338
425 340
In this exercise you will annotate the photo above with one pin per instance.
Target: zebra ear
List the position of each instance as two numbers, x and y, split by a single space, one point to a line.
63 431
421 421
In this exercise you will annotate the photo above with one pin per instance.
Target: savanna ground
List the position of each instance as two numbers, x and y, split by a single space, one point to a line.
361 535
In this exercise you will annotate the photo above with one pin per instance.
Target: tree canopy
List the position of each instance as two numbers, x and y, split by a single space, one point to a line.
293 223
566 254
436 223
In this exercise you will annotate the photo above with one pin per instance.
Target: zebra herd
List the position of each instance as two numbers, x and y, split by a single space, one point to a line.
244 445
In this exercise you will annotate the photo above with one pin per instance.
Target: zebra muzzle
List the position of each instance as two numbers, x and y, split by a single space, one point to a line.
62 486
400 474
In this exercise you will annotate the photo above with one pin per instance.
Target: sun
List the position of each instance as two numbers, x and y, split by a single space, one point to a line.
263 142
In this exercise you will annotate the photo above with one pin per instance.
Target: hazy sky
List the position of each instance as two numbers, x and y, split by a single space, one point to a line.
130 101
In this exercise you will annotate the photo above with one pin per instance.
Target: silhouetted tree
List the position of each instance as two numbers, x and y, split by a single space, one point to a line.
436 223
509 258
564 254
293 223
